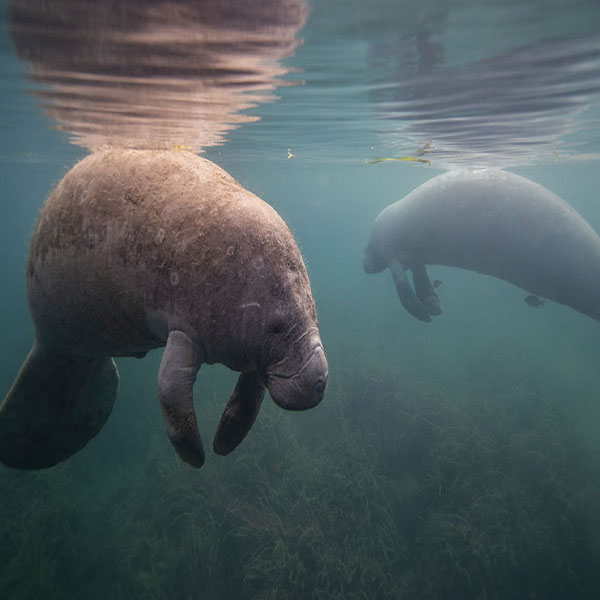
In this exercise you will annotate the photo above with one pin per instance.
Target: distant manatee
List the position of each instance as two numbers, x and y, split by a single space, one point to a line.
492 222
135 250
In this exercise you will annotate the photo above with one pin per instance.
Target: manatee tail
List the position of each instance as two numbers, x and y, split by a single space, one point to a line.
57 404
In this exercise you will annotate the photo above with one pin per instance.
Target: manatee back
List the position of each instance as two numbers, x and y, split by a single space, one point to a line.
129 236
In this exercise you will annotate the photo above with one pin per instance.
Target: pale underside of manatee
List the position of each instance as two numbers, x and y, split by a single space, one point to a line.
493 222
135 250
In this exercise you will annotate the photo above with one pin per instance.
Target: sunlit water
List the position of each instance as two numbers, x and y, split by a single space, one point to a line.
327 503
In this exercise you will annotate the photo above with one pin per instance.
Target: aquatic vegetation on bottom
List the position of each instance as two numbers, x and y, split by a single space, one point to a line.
390 489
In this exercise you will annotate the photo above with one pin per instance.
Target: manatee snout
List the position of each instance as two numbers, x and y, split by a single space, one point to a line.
304 388
372 262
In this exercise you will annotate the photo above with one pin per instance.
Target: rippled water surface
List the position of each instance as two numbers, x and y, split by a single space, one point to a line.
455 82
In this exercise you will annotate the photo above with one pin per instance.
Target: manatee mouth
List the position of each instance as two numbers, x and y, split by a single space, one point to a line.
304 388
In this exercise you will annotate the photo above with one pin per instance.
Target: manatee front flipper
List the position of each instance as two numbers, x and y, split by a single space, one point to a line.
176 375
405 293
425 291
240 413
57 404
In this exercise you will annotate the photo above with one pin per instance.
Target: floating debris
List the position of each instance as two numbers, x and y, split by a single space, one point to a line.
399 158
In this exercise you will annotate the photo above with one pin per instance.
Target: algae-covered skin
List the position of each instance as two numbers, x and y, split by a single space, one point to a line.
493 222
140 249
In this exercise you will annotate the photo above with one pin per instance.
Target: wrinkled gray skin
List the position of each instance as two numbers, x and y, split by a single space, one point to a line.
492 222
135 250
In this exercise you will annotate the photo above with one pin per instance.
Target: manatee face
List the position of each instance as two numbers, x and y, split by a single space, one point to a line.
372 261
297 381
276 327
295 372
292 360
283 351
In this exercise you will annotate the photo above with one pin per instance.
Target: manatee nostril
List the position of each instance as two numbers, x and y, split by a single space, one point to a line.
320 385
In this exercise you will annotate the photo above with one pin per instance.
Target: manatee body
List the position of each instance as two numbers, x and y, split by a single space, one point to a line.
492 222
136 250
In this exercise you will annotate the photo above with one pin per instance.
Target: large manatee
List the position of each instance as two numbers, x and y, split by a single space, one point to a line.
492 222
140 249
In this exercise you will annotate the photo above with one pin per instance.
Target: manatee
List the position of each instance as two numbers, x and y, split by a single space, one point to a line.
493 222
136 250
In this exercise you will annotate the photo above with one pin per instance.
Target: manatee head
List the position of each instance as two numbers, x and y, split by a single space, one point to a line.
372 261
283 353
280 349
293 361
297 380
284 348
274 331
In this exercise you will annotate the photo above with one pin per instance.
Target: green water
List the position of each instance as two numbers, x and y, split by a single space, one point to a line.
455 459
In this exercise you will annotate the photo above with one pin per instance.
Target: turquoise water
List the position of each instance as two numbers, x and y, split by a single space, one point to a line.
454 459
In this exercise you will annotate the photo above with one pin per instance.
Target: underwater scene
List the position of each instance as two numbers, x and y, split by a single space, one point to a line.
383 216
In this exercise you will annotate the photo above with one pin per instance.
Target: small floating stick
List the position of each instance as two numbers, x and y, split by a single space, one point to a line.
400 158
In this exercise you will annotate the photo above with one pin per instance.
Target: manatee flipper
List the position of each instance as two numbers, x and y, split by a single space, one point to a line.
240 413
56 405
176 375
424 290
406 294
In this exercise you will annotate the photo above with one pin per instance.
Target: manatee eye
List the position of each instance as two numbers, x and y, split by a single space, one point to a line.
277 326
